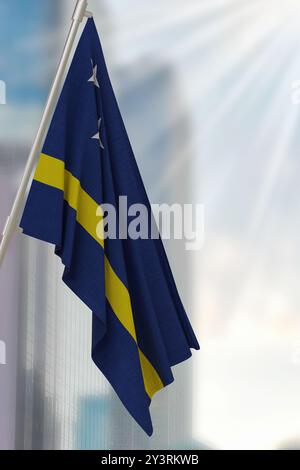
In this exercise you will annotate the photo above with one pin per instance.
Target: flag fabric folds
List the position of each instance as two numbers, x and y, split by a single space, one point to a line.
139 326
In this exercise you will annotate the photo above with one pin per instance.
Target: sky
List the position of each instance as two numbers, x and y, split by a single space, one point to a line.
234 62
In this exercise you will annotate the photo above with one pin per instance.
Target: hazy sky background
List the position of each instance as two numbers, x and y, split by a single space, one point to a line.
234 62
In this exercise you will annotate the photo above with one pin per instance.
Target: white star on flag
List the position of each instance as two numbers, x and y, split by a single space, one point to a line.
94 78
97 136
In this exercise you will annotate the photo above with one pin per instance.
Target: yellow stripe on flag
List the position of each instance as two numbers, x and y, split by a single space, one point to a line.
118 297
52 172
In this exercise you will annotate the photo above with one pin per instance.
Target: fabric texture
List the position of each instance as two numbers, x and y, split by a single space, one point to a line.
140 328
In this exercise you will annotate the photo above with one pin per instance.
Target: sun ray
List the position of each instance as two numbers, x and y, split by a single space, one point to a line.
256 67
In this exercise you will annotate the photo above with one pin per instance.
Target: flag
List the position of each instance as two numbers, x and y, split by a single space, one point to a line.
139 326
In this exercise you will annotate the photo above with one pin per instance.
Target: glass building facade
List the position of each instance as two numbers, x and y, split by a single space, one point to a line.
209 95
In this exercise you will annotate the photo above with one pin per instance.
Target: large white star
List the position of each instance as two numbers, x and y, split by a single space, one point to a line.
94 78
98 136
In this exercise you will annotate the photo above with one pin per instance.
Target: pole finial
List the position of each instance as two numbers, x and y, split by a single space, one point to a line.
80 9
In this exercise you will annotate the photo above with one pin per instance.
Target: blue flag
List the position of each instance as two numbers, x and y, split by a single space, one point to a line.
140 329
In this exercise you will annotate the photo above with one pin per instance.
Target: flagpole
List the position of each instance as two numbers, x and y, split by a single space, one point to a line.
14 219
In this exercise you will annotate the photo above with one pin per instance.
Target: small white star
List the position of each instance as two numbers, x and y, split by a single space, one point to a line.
97 136
94 78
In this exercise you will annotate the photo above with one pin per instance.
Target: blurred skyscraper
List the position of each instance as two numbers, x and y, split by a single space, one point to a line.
61 399
158 127
93 427
9 287
19 23
210 82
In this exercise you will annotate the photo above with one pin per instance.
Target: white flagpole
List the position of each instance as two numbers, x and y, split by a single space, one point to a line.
14 218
